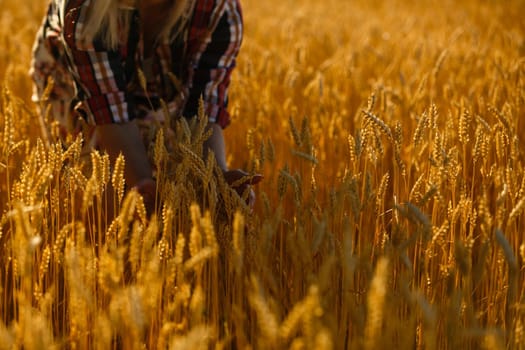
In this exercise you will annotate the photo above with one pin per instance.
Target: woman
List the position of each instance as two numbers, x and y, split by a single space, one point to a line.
113 61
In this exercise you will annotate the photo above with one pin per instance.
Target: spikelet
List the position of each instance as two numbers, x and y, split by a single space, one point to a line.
492 341
417 216
109 273
198 338
159 152
371 102
298 344
292 321
117 179
60 239
142 79
197 305
306 135
483 123
323 339
201 135
313 313
439 234
309 157
55 154
129 207
211 165
78 178
295 133
163 249
149 239
250 140
196 261
464 125
33 331
209 232
360 143
44 263
415 192
439 63
518 333
195 243
398 141
270 151
381 192
80 297
102 332
507 251
54 200
433 118
500 145
42 271
484 148
183 131
373 119
201 112
135 246
96 174
476 154
352 150
420 128
195 162
420 91
295 181
375 304
167 221
7 338
518 208
104 169
267 322
238 241
502 119
282 182
179 250
89 192
510 180
432 192
8 136
262 154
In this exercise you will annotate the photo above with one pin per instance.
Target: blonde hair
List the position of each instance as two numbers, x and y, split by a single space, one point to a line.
110 18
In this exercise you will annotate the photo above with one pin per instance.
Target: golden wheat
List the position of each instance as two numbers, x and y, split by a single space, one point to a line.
390 214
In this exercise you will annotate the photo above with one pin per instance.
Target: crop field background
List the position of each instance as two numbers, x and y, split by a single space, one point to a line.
392 212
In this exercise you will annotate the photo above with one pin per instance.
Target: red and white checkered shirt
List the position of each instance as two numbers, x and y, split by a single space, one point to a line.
105 83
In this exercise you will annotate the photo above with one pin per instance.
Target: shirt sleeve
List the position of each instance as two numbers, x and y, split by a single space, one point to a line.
48 61
213 62
99 72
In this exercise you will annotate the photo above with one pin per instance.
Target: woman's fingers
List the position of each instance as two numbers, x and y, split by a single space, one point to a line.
237 177
256 178
241 181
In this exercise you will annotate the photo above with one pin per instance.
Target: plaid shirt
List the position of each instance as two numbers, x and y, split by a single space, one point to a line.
107 85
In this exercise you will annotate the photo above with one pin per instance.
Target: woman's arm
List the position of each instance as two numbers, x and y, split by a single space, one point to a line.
101 75
211 66
215 143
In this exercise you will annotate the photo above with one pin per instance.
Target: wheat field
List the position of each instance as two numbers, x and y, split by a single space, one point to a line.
391 213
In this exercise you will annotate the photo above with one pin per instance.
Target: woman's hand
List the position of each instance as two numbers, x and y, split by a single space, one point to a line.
241 181
125 138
